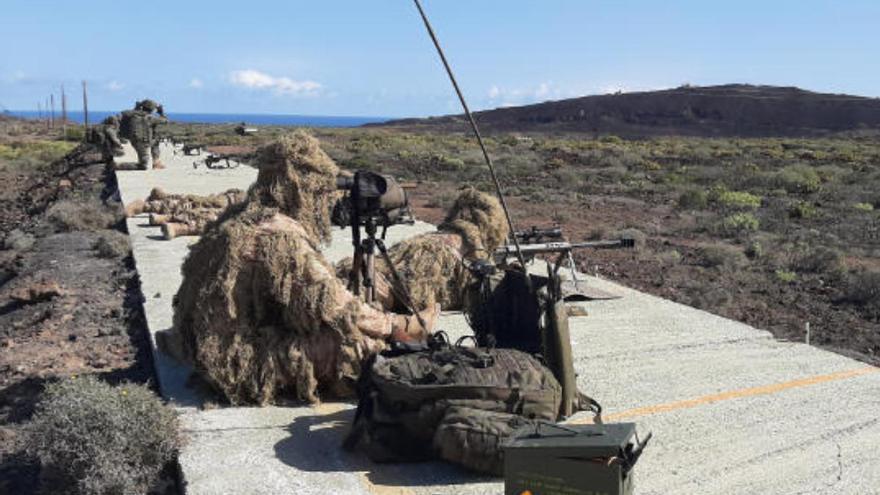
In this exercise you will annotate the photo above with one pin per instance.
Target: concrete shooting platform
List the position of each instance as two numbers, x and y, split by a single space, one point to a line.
733 410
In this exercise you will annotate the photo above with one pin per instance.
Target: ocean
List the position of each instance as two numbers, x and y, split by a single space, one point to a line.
227 118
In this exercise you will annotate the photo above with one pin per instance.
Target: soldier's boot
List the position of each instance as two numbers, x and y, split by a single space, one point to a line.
155 154
159 219
408 329
172 230
136 207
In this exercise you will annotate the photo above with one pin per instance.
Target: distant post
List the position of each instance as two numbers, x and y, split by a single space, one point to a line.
63 113
85 106
52 104
39 112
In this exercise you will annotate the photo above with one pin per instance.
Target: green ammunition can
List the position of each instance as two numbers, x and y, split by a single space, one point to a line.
555 459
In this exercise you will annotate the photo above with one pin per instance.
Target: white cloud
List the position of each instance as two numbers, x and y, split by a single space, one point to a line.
254 79
196 83
114 85
502 96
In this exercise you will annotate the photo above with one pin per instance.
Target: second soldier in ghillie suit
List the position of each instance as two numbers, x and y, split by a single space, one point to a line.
432 265
260 313
184 214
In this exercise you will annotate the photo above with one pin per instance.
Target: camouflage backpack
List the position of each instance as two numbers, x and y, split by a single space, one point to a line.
134 126
454 402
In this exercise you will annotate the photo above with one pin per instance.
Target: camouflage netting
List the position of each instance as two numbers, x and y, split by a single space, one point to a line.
260 312
431 264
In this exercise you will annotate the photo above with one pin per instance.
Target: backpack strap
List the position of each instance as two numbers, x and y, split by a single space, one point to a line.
587 403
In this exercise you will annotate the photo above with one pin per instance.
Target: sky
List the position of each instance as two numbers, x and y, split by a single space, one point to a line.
374 58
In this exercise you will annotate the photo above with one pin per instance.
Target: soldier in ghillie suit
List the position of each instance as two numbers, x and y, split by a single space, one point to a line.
260 313
164 203
432 265
184 214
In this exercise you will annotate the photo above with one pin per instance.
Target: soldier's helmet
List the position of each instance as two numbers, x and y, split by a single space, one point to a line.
147 106
111 120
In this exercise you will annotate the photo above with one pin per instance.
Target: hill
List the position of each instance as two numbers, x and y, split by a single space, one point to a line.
728 110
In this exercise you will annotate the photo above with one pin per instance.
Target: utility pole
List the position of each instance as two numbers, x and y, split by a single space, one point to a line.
63 113
39 112
85 107
46 108
52 103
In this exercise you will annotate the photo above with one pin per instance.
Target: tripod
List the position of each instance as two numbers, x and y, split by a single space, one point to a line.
363 269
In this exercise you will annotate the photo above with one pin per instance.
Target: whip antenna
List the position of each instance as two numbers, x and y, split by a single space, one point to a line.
476 130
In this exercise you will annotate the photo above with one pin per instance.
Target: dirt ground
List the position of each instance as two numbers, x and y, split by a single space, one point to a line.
65 307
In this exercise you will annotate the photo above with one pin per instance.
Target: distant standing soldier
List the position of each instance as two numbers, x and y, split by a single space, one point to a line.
155 121
138 126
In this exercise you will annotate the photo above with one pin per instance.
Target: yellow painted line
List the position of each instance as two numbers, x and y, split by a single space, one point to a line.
384 489
733 394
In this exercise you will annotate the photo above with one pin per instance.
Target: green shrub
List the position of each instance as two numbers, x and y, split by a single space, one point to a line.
864 206
669 258
722 255
755 250
75 134
863 288
93 438
32 154
112 244
693 199
799 179
818 260
738 223
738 200
89 215
802 209
18 240
785 276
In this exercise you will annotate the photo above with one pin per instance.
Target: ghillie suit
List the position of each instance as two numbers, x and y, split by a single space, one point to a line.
187 223
260 313
432 265
174 204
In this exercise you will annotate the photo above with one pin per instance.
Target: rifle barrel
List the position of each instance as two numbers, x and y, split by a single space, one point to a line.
557 247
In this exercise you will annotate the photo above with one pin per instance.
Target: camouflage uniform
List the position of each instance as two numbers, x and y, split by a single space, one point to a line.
140 127
136 128
106 137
